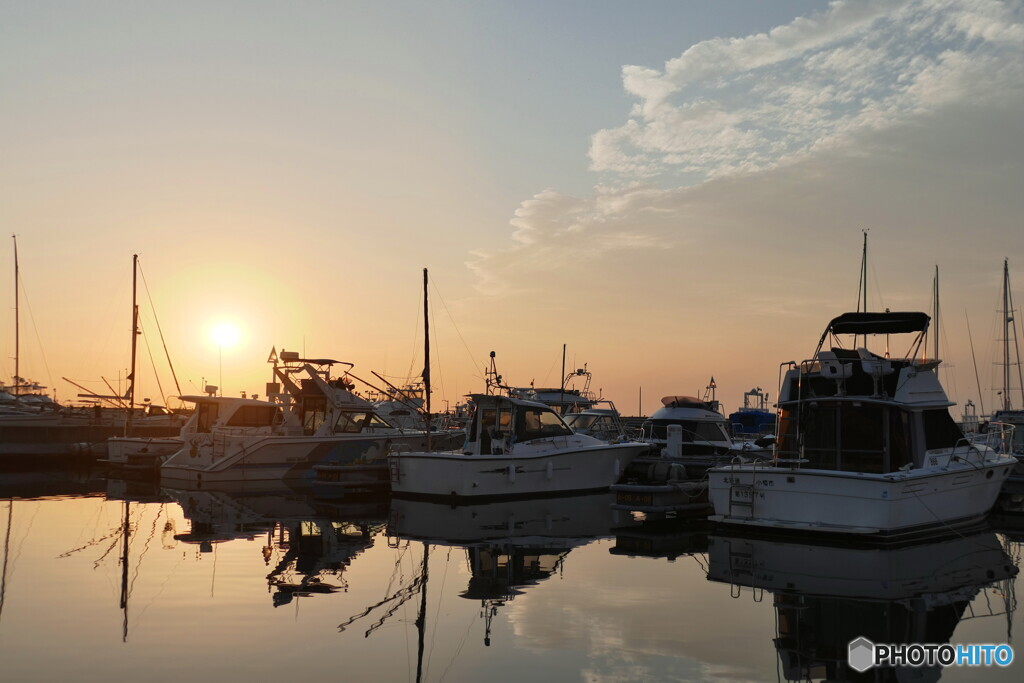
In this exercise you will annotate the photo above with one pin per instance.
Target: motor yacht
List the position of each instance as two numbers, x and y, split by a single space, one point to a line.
866 444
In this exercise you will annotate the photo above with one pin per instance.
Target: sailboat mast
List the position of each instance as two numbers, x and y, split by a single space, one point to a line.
17 321
135 336
562 397
862 284
426 356
935 318
1007 319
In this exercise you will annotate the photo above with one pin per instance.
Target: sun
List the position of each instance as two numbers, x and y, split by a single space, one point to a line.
225 334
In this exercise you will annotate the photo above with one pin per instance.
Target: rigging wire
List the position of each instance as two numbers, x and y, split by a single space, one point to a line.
39 340
416 339
469 354
437 355
152 310
981 396
149 351
1016 346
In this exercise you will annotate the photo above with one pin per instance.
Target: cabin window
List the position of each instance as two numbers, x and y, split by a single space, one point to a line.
350 423
580 422
314 412
487 421
378 422
848 438
900 451
787 444
863 439
939 430
819 426
254 416
537 423
693 430
709 431
207 416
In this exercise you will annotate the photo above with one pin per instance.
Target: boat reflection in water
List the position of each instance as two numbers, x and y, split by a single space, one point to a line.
509 545
308 546
827 596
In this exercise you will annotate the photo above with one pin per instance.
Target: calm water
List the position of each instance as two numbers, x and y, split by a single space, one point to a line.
213 586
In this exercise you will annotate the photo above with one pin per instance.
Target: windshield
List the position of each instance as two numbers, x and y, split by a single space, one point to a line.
693 430
578 421
539 423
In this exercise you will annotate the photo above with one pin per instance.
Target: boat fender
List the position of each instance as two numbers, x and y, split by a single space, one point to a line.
676 472
511 474
550 470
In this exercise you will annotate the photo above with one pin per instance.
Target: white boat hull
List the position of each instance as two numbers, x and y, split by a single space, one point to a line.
268 458
798 499
587 468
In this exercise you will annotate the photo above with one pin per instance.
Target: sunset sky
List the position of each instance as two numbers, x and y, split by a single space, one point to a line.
674 190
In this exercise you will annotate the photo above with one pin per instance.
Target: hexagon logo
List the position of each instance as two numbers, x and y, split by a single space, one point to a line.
862 654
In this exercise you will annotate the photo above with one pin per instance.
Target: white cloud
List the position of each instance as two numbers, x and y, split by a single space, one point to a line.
742 104
771 153
556 234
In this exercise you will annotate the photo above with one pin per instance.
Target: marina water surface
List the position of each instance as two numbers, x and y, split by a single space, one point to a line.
105 579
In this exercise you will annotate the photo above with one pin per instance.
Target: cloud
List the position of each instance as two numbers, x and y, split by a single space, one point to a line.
746 104
554 233
738 187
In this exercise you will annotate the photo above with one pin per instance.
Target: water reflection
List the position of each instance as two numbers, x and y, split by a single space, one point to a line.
307 544
558 588
826 596
509 545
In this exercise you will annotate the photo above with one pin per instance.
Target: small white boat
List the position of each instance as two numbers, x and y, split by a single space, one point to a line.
866 446
687 436
514 447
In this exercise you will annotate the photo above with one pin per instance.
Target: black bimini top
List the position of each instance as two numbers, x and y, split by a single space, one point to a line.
878 323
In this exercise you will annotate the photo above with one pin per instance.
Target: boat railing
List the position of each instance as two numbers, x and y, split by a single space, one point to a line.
997 437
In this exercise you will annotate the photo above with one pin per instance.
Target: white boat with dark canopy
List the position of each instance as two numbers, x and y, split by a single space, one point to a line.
514 447
316 422
866 445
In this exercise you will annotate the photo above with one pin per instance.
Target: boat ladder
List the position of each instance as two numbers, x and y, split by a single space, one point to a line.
741 500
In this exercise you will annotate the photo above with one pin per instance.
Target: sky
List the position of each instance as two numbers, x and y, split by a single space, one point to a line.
673 191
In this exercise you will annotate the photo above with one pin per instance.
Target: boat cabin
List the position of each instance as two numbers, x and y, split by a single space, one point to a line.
243 413
700 420
499 423
858 411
